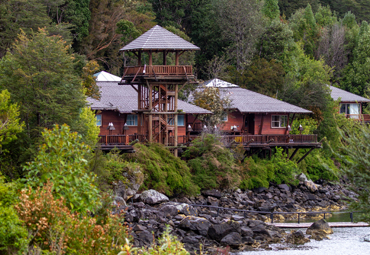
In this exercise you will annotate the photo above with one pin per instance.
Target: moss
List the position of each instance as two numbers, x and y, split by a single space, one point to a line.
163 171
212 165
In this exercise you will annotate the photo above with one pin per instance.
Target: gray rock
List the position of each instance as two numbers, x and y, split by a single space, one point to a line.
212 201
320 226
190 239
311 186
245 231
153 197
233 239
302 177
197 224
367 238
146 237
296 237
219 231
213 193
134 179
284 187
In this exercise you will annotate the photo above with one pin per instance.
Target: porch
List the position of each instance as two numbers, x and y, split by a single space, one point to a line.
123 142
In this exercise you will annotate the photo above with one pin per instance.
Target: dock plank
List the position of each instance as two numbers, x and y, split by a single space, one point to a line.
331 224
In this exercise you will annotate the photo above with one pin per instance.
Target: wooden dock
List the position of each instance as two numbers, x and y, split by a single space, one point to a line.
331 224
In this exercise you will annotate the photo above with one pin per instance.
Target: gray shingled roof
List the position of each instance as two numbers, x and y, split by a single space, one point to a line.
346 96
247 101
158 38
123 98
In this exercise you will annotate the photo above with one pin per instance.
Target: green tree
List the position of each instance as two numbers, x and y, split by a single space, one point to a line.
9 119
357 73
241 23
304 28
271 9
20 14
354 155
210 98
262 76
62 160
277 43
289 7
40 76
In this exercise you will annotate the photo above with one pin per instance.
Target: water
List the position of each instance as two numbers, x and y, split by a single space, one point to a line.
344 241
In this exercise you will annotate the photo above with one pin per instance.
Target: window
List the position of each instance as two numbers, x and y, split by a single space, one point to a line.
279 121
180 120
131 120
352 109
98 120
225 117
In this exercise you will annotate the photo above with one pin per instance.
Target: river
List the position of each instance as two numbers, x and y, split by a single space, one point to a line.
344 241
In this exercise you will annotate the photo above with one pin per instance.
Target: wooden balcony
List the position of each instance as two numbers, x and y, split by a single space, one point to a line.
359 117
251 141
137 74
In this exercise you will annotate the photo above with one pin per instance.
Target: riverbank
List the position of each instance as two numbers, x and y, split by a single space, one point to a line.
213 228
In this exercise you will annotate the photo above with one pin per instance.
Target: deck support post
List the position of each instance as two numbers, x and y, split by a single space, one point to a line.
305 155
295 151
175 109
150 127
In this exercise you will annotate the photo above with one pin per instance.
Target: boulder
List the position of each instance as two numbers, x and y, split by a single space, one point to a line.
284 187
261 231
311 186
196 224
245 231
297 237
233 240
153 197
146 237
219 231
212 201
213 193
319 228
128 188
302 177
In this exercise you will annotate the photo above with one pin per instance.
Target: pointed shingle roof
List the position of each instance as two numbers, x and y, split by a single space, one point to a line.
346 96
158 38
104 76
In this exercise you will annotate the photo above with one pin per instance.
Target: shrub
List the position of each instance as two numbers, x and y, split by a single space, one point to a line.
62 160
212 164
162 170
167 244
53 227
260 172
13 236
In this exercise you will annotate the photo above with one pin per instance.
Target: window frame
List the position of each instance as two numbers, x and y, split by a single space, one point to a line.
128 122
225 118
279 121
171 120
97 120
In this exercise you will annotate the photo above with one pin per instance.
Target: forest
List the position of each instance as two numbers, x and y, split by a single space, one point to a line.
52 175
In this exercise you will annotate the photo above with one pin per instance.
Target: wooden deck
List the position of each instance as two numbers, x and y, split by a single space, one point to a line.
249 141
331 224
138 74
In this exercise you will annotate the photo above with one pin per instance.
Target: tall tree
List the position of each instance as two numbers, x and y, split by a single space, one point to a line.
271 9
20 14
41 78
357 74
241 23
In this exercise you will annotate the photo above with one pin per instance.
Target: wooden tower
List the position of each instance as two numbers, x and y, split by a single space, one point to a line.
158 85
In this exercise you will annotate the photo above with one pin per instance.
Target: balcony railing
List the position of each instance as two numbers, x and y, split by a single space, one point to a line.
360 117
113 140
157 71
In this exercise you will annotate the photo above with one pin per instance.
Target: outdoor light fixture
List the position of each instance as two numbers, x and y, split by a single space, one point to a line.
189 128
289 128
215 127
234 128
300 128
110 128
125 127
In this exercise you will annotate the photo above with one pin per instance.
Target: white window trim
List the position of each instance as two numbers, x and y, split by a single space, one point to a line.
279 120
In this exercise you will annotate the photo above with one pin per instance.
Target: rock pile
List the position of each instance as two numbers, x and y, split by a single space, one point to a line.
199 220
